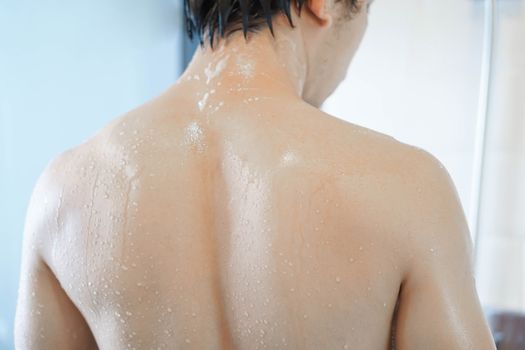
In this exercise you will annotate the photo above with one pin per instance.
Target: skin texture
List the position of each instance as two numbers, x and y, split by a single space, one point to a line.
231 213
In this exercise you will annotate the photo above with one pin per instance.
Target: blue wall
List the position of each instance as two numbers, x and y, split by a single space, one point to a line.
66 69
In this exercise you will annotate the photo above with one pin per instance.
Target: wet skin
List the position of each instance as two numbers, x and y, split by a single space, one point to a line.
221 215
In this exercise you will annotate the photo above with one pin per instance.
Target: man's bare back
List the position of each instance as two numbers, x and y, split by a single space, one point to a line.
242 218
271 232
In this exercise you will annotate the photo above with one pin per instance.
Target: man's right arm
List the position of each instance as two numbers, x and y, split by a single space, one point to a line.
46 318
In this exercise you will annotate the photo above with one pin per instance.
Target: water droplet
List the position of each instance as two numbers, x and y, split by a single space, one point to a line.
292 289
361 248
169 309
202 103
338 279
346 347
187 340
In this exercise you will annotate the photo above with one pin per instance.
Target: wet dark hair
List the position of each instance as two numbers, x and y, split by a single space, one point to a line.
225 16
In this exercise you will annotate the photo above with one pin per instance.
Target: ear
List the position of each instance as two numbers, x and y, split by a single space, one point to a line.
318 11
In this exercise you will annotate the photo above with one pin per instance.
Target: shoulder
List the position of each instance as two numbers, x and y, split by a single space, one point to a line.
97 176
407 192
45 204
382 167
410 173
427 218
52 181
62 186
437 226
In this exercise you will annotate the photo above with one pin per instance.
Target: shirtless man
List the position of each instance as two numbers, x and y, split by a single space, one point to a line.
231 213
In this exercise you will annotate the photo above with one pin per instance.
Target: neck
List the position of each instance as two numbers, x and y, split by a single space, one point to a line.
263 65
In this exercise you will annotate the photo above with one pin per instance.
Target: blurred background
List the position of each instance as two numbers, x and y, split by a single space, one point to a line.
447 76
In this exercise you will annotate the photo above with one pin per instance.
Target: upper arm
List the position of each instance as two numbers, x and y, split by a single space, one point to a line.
45 317
439 306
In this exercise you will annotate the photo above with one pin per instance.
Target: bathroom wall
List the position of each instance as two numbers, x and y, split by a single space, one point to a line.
501 257
66 69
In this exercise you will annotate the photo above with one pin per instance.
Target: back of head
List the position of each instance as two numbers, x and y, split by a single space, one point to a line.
227 16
